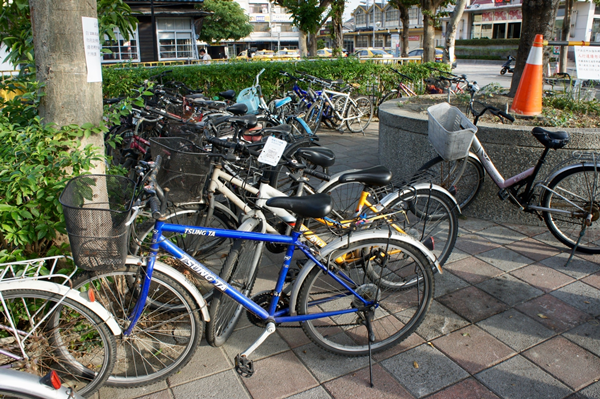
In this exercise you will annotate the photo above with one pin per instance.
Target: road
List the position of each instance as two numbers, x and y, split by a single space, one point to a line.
483 72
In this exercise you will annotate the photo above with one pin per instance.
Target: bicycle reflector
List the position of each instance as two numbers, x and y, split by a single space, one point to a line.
52 380
91 295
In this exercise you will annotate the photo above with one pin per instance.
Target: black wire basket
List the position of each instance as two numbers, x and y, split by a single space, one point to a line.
183 170
96 209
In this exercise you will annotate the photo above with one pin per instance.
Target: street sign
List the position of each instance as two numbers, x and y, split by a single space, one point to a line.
587 60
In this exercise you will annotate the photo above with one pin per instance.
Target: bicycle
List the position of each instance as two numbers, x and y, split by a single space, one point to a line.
45 325
566 199
402 90
17 384
367 292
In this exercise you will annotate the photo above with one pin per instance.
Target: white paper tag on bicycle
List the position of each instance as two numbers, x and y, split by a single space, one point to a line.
272 151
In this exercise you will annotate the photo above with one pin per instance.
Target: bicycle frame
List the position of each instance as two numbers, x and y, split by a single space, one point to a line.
281 316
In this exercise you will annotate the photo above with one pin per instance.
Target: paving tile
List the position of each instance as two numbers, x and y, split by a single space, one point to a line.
504 259
315 393
509 289
515 329
456 255
268 382
518 378
447 283
527 230
473 348
466 389
473 304
549 239
439 321
410 342
542 277
166 394
586 335
120 393
356 385
591 392
501 235
218 386
593 280
578 268
533 249
581 296
326 366
474 224
424 370
553 313
474 244
207 360
566 361
294 337
241 340
473 270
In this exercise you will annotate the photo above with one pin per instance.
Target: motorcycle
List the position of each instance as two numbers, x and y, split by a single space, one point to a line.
507 67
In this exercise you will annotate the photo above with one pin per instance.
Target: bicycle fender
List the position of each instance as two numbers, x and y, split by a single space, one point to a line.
388 199
24 383
226 210
343 241
180 278
304 125
61 290
334 179
574 165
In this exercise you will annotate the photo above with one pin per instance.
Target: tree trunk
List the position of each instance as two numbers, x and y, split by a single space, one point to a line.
337 7
451 31
428 36
61 66
312 44
566 35
538 18
405 18
302 36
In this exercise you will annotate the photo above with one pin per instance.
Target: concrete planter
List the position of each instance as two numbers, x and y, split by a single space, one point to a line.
404 148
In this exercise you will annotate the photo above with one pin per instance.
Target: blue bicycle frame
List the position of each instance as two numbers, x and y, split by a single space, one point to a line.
282 316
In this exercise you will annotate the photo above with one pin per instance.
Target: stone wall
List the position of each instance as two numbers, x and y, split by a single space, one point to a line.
404 148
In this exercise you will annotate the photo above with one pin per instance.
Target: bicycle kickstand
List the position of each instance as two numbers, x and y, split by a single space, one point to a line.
245 366
368 318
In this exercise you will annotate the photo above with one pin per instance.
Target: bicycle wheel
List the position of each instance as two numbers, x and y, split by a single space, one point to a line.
360 112
58 334
427 214
210 251
165 337
576 191
399 309
464 188
313 116
240 271
345 198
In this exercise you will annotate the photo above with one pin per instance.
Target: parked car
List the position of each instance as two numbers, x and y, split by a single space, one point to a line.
327 52
286 54
439 55
372 53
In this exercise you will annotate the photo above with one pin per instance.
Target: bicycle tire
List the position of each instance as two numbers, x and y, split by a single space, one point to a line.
240 271
70 339
443 173
398 313
428 214
314 115
165 337
210 251
360 112
577 186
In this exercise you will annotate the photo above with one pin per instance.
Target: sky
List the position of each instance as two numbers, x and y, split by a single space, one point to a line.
352 4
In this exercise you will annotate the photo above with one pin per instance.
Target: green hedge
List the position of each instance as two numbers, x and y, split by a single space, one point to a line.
238 75
487 42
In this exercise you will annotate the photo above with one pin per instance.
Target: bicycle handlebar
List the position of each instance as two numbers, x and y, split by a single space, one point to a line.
318 175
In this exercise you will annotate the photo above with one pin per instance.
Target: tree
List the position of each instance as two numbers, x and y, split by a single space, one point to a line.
337 26
538 18
566 34
403 7
228 21
455 17
431 17
308 17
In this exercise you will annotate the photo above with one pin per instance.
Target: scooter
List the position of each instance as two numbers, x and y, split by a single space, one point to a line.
507 67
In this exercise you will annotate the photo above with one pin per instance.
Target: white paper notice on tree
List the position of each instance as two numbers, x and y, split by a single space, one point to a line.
91 41
272 151
587 60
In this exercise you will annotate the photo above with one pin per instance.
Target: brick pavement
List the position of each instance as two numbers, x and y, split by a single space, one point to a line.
508 321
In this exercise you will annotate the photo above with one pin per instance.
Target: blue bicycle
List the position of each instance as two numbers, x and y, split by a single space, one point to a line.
360 294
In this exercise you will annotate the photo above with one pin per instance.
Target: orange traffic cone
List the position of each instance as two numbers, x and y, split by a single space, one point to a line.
528 100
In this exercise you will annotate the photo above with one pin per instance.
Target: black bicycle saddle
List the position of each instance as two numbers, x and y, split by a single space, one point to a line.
375 176
312 206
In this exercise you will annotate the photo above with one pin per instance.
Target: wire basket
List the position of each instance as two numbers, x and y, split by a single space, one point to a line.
450 131
183 170
96 209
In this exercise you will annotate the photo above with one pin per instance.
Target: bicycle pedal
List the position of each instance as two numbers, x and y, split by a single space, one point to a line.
292 275
244 366
503 194
300 263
